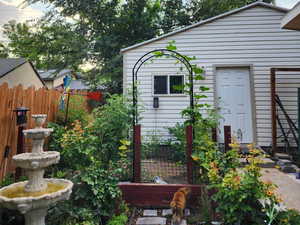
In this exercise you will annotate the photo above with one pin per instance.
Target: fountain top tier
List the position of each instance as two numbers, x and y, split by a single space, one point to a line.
38 134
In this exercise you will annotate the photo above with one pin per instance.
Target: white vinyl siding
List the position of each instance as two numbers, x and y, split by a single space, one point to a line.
252 36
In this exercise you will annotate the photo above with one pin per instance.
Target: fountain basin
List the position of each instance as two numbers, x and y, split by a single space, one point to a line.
38 133
58 189
35 161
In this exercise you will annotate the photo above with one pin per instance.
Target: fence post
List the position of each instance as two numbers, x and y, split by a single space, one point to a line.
227 137
273 111
137 154
214 134
189 149
298 120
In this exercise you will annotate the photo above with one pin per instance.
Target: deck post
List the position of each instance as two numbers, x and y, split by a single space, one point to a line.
214 135
189 149
273 112
137 154
227 137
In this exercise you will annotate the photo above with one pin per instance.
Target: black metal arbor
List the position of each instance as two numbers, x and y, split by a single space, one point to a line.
137 128
149 55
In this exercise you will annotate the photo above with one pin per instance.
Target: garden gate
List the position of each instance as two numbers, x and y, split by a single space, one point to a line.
150 194
158 161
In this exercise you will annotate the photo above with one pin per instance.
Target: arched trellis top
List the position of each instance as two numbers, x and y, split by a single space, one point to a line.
156 54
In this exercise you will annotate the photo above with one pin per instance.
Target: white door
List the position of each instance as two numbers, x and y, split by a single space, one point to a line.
234 99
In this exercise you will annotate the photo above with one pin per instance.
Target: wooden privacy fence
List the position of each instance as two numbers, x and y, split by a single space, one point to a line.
41 101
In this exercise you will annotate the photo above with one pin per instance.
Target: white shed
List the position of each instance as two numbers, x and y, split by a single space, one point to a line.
237 50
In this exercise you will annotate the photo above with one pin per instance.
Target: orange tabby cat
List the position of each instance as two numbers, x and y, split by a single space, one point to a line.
178 204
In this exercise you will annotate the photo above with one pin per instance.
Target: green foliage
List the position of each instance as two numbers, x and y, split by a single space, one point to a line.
99 29
48 44
56 135
95 157
209 8
77 111
118 220
288 217
112 124
3 51
237 190
7 180
177 142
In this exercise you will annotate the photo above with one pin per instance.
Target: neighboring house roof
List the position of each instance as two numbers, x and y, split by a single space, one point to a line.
8 65
255 4
292 19
53 74
78 85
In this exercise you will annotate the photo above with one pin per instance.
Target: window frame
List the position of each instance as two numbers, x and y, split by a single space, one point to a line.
168 85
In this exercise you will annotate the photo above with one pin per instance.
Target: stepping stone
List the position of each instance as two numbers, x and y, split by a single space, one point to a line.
288 169
183 222
151 221
283 156
284 162
166 212
150 212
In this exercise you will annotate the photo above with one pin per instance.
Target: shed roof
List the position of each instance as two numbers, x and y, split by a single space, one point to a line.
292 19
52 74
252 5
78 85
8 65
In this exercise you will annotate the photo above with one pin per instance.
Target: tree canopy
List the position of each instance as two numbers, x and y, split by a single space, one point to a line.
99 29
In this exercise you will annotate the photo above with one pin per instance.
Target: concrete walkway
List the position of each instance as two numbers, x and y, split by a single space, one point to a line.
157 217
288 186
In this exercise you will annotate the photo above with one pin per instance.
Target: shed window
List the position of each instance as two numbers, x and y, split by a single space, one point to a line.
175 83
168 84
160 85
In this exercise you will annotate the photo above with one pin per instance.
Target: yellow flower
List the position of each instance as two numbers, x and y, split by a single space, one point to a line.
123 147
125 142
195 158
234 145
250 146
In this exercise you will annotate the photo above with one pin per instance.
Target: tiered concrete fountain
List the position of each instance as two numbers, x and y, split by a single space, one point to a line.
33 197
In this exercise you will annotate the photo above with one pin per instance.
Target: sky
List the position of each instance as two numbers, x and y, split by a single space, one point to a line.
13 9
286 3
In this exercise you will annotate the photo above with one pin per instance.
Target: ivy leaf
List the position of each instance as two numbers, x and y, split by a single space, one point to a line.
158 53
203 88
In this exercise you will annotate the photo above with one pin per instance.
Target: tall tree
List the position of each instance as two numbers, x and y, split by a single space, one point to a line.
3 51
101 28
57 45
203 9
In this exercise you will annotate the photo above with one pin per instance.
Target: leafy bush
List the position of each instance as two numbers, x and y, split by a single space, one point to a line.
95 158
238 191
118 220
77 111
288 217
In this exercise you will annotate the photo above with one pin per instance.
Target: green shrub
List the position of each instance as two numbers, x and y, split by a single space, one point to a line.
77 111
288 217
93 157
118 220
